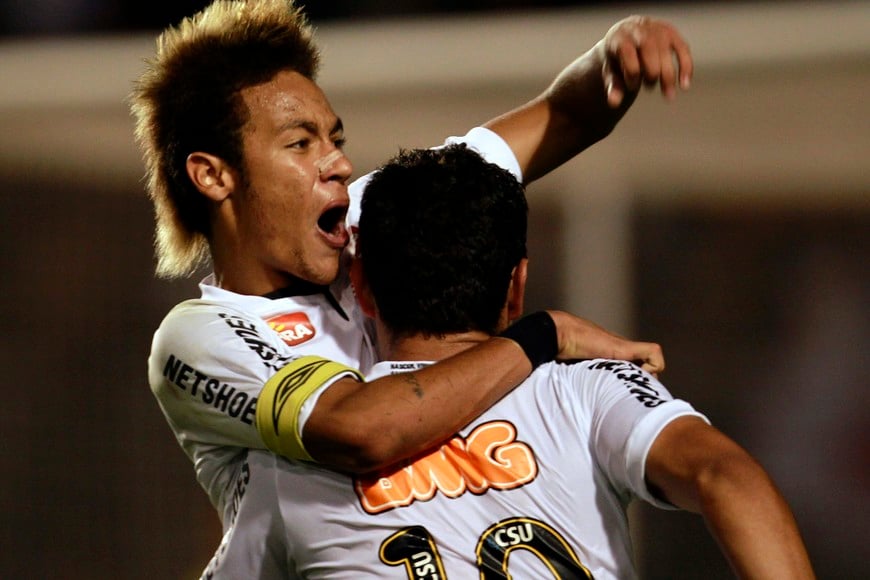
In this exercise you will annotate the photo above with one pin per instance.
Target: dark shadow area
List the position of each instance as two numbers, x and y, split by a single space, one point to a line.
94 478
73 17
764 320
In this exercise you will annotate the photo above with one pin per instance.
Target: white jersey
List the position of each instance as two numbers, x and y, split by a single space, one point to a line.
534 488
211 356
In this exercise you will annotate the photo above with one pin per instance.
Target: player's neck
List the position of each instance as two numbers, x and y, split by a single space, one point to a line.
432 348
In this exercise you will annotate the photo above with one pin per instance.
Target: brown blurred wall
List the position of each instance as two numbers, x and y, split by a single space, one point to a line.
730 225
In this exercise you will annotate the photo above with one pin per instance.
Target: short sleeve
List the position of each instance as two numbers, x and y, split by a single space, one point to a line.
492 148
207 367
628 408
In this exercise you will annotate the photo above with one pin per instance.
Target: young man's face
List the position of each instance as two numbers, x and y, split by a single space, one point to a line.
290 209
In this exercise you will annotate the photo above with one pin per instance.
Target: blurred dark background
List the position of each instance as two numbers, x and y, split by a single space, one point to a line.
69 17
732 226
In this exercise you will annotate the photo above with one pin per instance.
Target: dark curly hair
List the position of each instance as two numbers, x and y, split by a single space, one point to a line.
440 233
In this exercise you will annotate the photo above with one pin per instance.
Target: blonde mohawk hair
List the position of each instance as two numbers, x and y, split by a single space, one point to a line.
187 100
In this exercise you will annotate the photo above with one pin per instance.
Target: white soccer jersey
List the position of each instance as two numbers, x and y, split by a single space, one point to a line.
211 356
534 488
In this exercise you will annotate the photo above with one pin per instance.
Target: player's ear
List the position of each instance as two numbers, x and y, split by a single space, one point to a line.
361 288
211 175
517 289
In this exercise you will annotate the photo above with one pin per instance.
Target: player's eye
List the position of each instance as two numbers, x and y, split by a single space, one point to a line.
299 144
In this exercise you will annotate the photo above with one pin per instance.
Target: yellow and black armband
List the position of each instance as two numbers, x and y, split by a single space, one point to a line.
282 397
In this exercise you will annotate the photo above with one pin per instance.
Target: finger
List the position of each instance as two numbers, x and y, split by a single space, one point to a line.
653 358
652 369
684 61
650 58
667 72
653 373
629 63
647 355
614 88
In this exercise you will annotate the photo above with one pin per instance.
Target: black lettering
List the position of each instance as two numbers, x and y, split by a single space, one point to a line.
414 548
208 394
223 397
638 383
171 367
239 489
234 402
248 334
183 375
538 538
249 412
606 365
240 323
648 399
195 386
266 351
635 378
237 404
247 331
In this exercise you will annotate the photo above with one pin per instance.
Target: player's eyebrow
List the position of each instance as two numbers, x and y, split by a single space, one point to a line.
310 126
338 127
304 124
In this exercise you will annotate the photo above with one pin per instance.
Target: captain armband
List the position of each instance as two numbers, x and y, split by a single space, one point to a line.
282 398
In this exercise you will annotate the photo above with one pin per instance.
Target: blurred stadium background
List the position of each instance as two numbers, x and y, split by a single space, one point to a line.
730 225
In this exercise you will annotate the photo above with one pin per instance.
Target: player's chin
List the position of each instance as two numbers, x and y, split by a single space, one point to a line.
326 270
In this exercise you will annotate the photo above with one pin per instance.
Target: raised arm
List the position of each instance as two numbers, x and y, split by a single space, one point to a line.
362 426
589 97
696 467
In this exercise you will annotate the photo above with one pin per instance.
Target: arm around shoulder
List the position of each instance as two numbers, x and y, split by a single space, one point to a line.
362 426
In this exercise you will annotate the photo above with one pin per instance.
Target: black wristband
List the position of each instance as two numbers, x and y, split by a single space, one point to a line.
536 335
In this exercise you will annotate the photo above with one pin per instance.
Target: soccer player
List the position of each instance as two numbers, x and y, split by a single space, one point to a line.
245 168
537 486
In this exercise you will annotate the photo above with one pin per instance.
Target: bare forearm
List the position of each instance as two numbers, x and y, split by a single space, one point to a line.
753 524
578 105
696 467
397 416
569 116
361 426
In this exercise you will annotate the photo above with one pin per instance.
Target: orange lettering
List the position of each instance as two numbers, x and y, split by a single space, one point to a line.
505 462
490 457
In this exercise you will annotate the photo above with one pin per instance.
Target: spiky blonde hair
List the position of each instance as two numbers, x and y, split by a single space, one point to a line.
188 99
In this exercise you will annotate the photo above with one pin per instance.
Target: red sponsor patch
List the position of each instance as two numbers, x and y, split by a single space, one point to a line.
293 328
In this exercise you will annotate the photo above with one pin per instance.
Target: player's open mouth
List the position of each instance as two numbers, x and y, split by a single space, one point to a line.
331 223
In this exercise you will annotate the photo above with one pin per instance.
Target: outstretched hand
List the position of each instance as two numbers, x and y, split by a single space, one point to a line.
582 339
640 50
